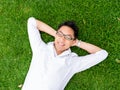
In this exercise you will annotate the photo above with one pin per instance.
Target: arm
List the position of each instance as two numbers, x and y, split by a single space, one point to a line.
34 35
90 48
45 28
96 56
85 62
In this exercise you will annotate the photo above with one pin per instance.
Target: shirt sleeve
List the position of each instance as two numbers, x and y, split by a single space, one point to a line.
34 35
85 62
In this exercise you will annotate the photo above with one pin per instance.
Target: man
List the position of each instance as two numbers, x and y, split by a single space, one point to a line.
54 64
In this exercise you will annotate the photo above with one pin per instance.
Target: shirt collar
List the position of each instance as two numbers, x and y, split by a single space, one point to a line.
52 48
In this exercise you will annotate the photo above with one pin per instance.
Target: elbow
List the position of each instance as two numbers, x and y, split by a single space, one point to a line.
104 54
31 21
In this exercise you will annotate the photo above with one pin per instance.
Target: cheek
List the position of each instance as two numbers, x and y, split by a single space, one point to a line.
68 43
71 43
57 38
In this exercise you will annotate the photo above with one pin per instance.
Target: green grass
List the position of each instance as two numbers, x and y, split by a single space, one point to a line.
99 23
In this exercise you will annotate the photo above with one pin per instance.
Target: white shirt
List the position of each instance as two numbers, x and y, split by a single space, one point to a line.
49 71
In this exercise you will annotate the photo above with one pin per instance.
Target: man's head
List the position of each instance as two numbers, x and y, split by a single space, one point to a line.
66 36
72 25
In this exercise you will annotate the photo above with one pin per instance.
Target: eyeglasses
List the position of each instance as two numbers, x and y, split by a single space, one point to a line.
67 37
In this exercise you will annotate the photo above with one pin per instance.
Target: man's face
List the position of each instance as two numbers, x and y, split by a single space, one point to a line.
64 39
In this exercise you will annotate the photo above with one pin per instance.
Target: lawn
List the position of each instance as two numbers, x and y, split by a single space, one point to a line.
99 23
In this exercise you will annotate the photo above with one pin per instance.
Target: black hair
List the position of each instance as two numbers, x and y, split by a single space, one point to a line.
72 25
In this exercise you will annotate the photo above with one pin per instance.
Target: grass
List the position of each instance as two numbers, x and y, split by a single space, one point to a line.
99 23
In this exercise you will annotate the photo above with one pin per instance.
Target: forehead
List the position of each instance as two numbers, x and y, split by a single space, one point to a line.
66 30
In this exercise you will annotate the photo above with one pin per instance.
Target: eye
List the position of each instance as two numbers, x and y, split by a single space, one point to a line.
68 38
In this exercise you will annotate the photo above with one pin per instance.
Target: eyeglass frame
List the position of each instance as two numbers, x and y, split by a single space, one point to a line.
60 34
